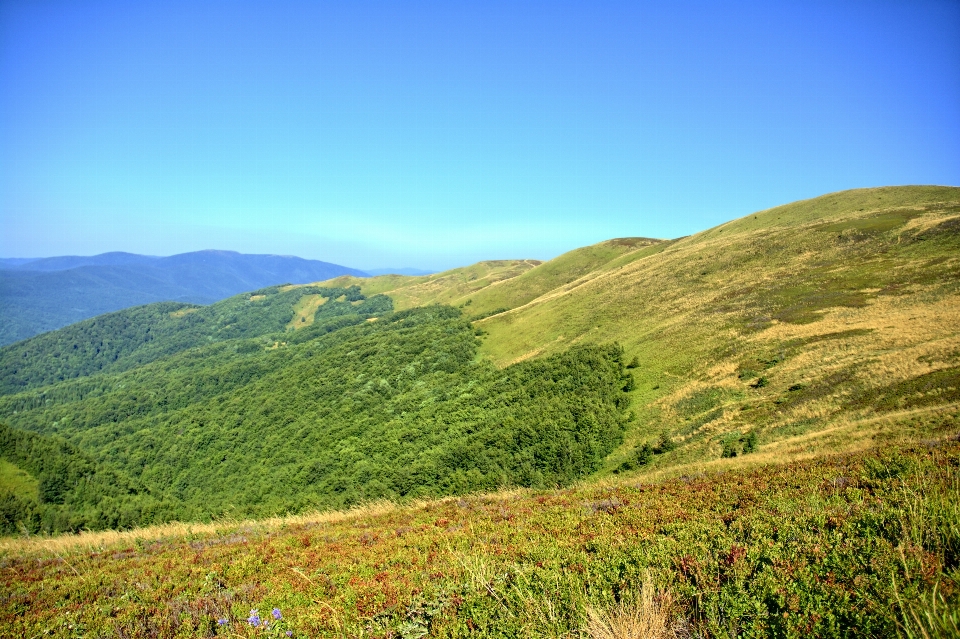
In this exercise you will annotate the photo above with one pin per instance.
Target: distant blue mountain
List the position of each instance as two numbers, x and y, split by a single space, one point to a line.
39 295
11 262
66 262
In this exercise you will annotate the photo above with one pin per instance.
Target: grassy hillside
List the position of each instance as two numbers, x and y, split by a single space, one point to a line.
486 288
451 287
813 325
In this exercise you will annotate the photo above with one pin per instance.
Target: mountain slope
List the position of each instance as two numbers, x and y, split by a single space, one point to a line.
818 326
70 491
488 287
861 545
826 316
814 325
387 409
133 337
45 294
449 287
826 326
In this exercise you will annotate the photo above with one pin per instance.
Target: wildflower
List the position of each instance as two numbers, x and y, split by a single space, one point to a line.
222 621
254 618
289 633
276 614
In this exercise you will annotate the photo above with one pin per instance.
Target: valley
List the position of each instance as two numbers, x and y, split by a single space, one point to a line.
750 431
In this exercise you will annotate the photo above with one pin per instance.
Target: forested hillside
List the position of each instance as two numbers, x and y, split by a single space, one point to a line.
393 408
45 294
139 335
751 431
71 491
807 329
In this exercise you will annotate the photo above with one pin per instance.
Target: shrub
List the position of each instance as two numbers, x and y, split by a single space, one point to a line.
750 442
664 444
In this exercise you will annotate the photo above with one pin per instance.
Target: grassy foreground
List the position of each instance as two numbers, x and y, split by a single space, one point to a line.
864 544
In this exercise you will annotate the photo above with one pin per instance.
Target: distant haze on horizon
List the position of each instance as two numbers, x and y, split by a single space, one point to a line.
433 135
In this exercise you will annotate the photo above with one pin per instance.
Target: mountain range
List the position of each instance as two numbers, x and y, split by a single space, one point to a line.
38 295
819 325
749 431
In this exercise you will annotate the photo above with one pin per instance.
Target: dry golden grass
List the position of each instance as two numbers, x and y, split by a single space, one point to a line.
687 310
842 436
183 312
647 618
96 540
112 538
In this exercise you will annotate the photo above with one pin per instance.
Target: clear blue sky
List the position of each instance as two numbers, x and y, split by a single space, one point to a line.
432 135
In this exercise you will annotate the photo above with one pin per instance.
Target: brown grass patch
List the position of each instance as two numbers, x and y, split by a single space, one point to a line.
650 617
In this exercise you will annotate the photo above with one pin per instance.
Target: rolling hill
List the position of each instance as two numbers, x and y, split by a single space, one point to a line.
44 294
817 325
750 431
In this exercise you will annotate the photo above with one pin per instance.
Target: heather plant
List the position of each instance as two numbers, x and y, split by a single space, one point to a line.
825 548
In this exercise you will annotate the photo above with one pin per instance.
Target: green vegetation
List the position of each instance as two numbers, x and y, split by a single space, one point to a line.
396 408
811 353
71 492
848 546
811 325
15 480
134 337
49 293
453 287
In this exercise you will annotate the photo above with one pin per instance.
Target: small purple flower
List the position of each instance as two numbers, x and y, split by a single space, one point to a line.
254 618
289 633
222 621
276 614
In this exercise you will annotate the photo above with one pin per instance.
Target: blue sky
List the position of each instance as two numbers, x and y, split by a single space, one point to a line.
433 135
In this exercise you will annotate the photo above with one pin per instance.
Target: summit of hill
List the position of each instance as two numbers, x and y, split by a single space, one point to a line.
815 325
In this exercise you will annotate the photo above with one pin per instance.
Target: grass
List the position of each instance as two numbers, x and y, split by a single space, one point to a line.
305 310
649 617
15 480
821 315
845 297
453 287
861 544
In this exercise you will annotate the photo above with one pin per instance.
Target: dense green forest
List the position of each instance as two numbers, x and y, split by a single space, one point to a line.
228 418
135 336
73 491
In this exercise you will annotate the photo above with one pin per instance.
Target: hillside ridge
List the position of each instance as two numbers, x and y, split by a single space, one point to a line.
48 293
